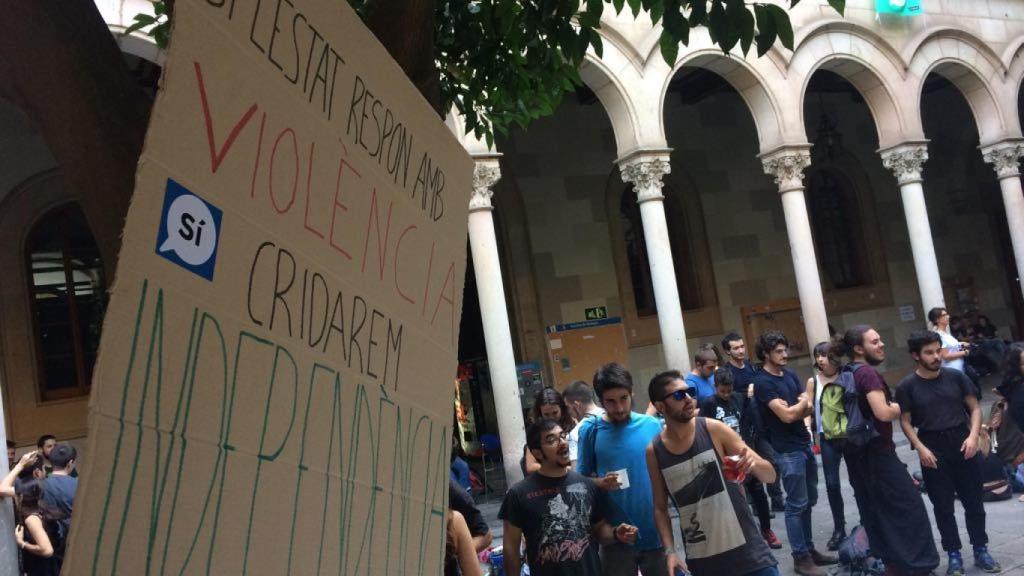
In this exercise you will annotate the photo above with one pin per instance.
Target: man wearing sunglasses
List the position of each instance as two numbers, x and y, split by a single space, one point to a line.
685 462
561 513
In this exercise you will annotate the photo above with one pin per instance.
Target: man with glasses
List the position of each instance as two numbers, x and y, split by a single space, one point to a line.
560 512
784 404
612 448
687 463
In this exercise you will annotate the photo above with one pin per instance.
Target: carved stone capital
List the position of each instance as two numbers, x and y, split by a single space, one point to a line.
1004 157
646 172
486 174
787 167
905 161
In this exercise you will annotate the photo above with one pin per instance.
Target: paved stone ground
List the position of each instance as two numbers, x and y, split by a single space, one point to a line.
1005 521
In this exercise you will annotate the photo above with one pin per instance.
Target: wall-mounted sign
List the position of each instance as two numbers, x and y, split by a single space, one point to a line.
596 313
899 7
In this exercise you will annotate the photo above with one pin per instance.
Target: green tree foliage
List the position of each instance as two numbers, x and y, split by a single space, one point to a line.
507 62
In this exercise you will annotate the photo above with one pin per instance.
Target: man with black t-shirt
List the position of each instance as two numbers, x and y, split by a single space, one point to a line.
752 430
784 404
942 419
560 512
460 501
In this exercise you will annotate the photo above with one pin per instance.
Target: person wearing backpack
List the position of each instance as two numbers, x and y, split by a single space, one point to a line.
892 511
829 430
942 419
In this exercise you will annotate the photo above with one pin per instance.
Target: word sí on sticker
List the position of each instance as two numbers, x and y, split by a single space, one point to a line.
189 230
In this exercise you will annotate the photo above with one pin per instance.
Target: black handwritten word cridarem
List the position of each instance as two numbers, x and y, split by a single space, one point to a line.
304 305
286 37
184 462
390 246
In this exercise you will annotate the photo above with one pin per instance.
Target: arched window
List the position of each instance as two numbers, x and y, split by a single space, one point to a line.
66 288
836 224
687 280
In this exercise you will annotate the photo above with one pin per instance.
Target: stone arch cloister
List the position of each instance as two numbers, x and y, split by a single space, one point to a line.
890 64
978 47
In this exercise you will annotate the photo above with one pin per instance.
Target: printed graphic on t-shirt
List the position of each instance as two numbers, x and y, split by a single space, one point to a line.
729 420
565 527
706 515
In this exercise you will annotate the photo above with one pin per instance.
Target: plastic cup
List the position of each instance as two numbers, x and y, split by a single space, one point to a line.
732 470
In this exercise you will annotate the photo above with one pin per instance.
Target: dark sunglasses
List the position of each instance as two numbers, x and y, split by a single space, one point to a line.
679 395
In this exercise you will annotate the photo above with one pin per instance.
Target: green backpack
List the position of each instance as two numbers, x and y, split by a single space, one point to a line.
833 414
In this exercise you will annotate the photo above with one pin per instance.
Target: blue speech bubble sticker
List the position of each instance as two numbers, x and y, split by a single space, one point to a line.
189 231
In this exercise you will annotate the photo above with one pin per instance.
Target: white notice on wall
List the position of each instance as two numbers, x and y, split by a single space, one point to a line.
907 313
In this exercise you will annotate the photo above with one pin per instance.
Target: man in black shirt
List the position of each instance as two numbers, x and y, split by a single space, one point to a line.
560 512
784 404
942 419
752 429
460 501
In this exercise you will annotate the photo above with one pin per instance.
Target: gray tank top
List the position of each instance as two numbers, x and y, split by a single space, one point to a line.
718 529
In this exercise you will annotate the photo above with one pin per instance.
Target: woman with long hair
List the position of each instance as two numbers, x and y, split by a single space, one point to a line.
459 554
548 404
829 430
36 532
953 351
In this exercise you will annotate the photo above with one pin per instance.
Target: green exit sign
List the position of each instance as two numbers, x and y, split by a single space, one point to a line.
899 7
597 313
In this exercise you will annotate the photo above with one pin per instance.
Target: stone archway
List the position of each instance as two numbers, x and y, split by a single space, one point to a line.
870 66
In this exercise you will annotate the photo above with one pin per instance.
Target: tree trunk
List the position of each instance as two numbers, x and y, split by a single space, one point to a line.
406 29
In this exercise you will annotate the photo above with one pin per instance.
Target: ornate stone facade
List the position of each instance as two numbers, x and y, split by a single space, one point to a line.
486 174
905 161
1005 157
787 167
646 174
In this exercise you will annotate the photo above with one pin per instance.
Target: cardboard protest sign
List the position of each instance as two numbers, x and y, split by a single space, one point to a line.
273 394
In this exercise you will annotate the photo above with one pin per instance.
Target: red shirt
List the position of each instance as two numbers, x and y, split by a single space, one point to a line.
867 379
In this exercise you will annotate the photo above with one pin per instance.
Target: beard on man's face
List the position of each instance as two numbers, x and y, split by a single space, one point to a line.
873 359
682 414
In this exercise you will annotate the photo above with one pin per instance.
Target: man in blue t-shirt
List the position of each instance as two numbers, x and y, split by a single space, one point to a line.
612 448
702 377
784 404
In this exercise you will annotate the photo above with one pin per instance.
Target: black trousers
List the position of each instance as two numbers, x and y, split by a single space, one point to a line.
954 478
759 501
892 511
765 450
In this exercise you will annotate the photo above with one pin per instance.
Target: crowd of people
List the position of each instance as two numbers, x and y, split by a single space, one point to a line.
732 442
42 484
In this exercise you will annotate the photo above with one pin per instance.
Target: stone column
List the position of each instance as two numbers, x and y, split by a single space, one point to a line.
905 161
645 171
787 166
494 314
1005 159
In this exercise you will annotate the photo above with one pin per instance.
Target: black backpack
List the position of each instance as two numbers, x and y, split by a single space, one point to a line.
860 427
855 556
